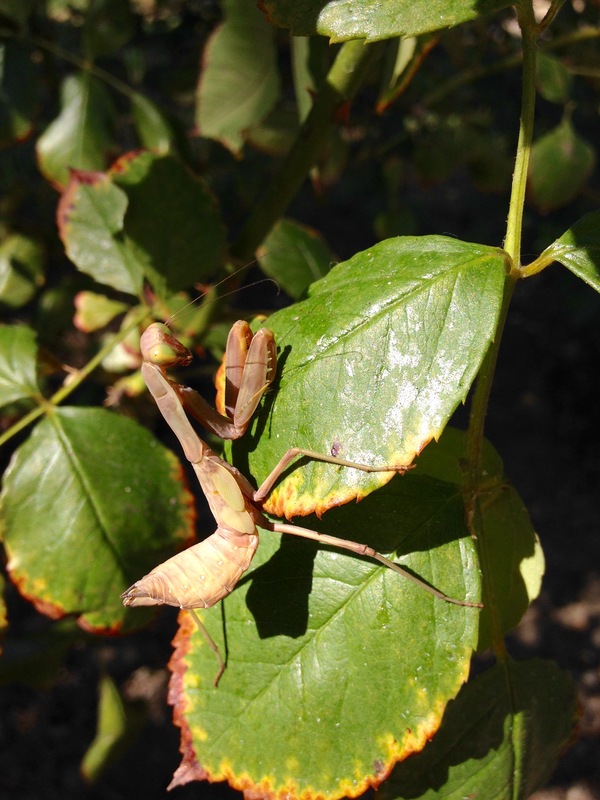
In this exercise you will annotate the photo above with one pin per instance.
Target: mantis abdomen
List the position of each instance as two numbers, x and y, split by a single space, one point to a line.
197 577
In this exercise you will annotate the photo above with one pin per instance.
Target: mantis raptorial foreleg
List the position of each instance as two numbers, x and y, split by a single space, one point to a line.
205 573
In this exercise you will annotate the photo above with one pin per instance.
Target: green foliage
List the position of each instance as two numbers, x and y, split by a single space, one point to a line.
170 180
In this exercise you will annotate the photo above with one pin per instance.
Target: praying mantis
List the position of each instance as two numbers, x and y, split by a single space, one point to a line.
205 573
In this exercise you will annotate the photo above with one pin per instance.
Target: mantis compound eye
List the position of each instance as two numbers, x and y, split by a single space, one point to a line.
162 349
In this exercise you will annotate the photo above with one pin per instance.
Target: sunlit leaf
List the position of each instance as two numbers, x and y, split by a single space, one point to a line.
18 372
90 502
578 249
94 311
81 136
373 19
372 364
91 215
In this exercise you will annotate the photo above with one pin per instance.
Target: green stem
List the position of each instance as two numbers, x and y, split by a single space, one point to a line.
475 478
73 380
514 226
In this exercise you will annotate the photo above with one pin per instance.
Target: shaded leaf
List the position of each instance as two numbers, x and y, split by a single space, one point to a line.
17 11
21 269
372 364
18 360
239 84
355 663
560 164
172 224
90 502
117 725
36 658
107 26
310 63
515 561
553 80
486 733
81 136
295 256
19 93
374 19
578 249
513 552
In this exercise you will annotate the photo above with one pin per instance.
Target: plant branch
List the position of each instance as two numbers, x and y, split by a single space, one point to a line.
512 242
73 380
343 81
475 478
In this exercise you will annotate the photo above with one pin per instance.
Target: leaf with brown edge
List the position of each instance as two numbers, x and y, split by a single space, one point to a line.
90 503
350 660
90 217
372 365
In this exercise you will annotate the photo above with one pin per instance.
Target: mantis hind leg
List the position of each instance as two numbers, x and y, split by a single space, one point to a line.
212 644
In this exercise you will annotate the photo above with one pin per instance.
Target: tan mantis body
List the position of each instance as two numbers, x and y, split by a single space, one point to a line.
206 572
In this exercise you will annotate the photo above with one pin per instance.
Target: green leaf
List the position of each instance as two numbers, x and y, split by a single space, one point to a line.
18 364
515 561
295 256
373 19
492 744
578 249
91 215
117 725
354 662
561 162
81 136
172 225
372 364
152 126
239 84
21 269
513 552
19 93
552 79
90 503
308 57
107 26
95 311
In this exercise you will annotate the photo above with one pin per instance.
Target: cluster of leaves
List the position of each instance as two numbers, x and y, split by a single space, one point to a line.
357 666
